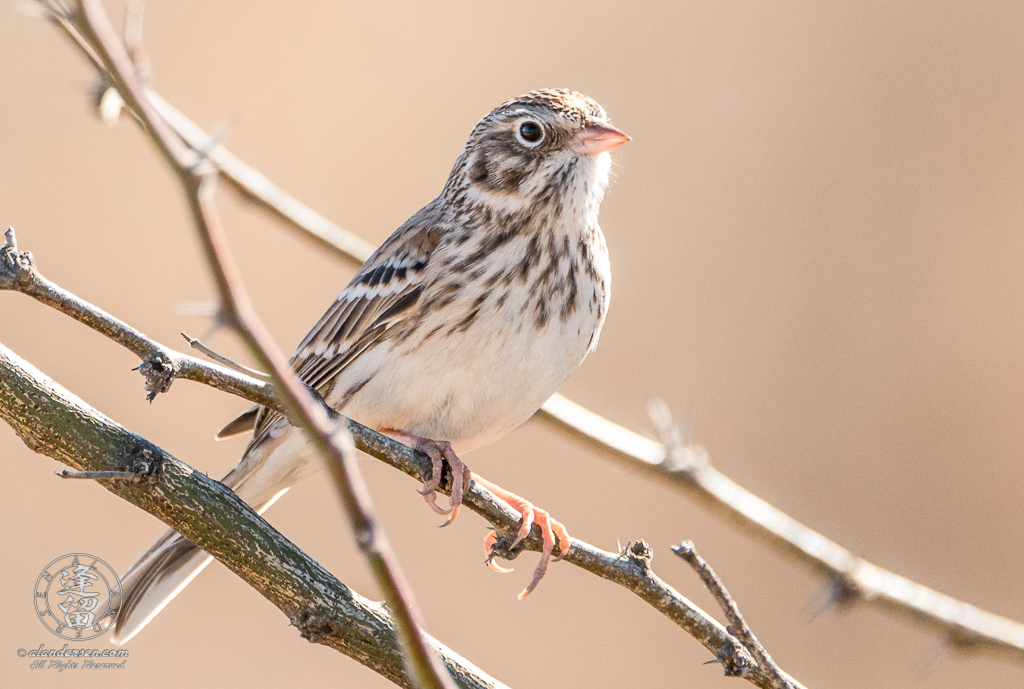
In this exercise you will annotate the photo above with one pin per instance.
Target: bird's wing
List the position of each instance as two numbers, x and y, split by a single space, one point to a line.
381 294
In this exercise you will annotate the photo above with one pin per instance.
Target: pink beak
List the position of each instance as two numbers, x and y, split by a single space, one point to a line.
598 137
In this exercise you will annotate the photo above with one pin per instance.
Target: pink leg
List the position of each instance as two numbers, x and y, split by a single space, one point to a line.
439 451
549 529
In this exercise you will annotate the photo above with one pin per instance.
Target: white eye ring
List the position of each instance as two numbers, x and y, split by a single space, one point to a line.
527 128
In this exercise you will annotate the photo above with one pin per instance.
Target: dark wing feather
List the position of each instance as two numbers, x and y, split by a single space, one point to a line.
380 295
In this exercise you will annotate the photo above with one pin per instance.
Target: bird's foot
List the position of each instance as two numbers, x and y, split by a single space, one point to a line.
439 452
550 530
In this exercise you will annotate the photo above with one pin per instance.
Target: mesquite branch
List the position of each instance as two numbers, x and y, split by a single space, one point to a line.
630 568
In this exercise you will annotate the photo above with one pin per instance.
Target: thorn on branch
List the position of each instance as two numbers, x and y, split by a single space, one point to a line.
98 475
140 469
841 590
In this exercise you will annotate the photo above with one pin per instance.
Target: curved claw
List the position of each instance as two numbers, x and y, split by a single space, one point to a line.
553 533
437 508
538 574
455 513
438 451
498 568
489 540
564 540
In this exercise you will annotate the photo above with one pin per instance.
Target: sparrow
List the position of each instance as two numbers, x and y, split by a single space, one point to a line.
456 330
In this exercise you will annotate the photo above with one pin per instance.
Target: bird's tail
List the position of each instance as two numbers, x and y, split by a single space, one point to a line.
174 561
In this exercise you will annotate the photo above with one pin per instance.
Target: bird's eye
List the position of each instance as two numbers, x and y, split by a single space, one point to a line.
529 133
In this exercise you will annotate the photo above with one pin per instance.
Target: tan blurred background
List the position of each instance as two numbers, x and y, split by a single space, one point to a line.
818 256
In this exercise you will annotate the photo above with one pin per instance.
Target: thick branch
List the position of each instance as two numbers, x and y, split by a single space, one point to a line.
54 422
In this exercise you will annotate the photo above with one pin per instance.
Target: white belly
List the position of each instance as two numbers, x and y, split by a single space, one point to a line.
474 387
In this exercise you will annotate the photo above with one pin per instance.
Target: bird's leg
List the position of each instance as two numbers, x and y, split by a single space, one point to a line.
549 529
439 452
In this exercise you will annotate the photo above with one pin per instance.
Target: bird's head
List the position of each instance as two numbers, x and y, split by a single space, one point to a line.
546 145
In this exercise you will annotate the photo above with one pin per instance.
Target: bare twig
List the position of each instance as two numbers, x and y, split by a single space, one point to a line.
160 365
738 626
54 422
332 443
223 360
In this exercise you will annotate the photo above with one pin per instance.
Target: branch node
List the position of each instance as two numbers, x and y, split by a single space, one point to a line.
736 660
364 538
17 269
639 554
159 371
503 548
312 627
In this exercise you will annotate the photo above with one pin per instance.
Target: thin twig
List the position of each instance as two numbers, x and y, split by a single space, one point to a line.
98 475
223 360
161 365
737 624
332 444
